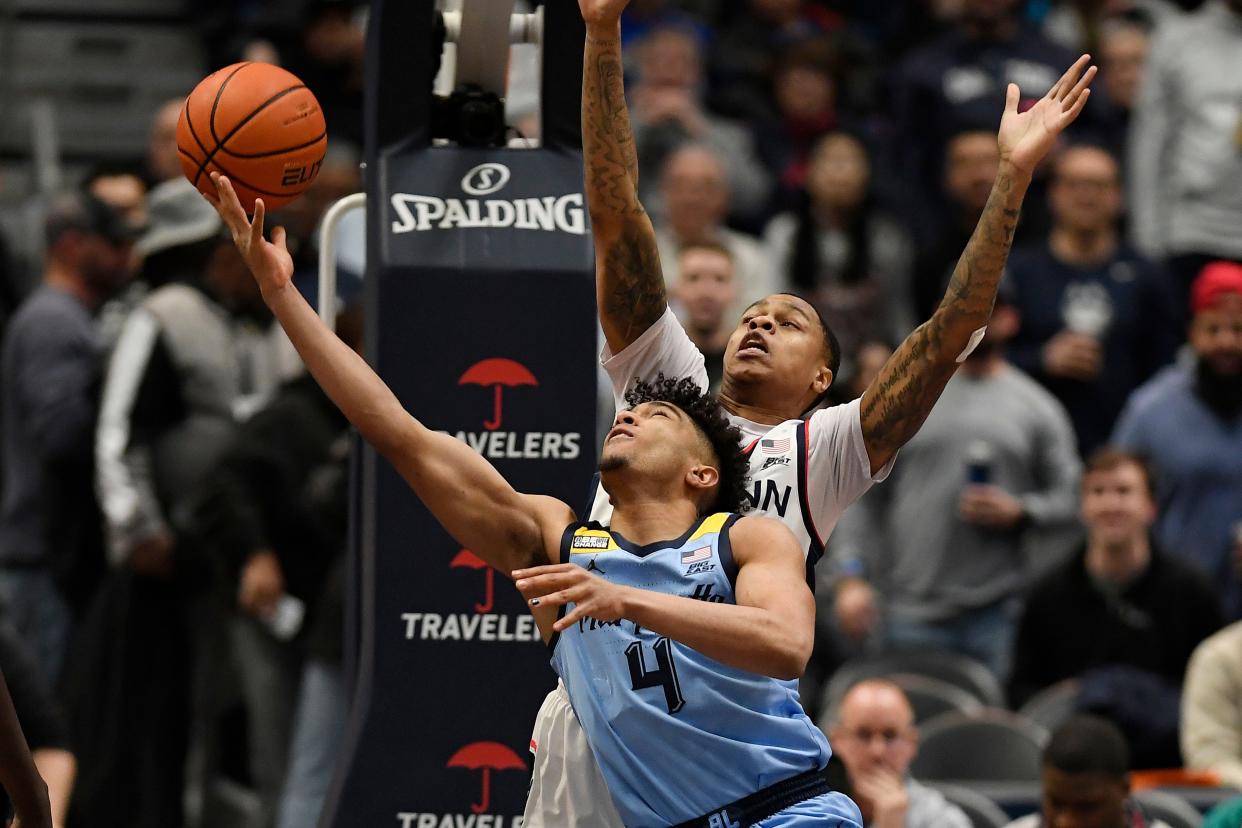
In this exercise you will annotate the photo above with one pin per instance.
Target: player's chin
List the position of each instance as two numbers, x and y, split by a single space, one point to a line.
612 458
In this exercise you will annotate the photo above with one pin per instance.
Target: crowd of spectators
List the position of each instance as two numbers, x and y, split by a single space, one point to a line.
1072 509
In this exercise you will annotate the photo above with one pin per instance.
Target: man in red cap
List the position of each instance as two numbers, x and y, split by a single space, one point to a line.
1187 420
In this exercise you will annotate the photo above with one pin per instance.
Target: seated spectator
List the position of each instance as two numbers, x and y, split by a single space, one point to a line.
1122 54
644 16
875 738
971 159
666 112
1212 707
695 191
1119 602
805 91
943 540
1185 167
328 58
749 45
704 295
851 260
1082 25
1085 780
960 80
1187 420
1097 317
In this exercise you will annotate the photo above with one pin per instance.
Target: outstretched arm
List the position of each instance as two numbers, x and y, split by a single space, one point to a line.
466 494
770 630
18 775
629 282
901 397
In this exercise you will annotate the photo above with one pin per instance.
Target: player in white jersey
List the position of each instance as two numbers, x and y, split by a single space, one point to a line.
779 362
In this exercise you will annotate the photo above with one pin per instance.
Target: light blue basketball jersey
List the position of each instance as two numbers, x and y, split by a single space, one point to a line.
676 734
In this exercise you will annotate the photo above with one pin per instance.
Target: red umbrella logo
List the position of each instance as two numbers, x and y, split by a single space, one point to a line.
498 373
487 757
468 559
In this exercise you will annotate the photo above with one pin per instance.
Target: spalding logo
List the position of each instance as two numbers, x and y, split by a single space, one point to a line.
485 179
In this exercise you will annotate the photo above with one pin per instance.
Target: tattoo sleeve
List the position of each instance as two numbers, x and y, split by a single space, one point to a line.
629 281
901 397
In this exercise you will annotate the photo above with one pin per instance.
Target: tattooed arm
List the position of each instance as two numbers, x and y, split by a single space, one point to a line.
899 400
629 282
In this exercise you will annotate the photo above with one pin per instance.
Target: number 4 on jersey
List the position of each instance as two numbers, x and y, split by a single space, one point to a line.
665 674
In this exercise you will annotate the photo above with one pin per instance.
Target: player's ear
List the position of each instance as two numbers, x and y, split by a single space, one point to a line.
703 477
823 379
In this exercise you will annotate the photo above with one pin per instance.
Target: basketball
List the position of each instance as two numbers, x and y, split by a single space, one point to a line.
259 125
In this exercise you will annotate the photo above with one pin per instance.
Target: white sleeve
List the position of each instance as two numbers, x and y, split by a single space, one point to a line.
839 469
664 348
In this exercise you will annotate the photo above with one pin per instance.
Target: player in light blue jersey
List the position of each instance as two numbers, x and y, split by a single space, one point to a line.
692 704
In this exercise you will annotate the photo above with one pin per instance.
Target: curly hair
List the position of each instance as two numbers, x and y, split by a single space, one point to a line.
710 419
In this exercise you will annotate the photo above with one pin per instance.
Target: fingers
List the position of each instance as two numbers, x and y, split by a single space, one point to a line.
530 571
1061 88
256 226
1012 96
229 206
1069 116
537 588
556 599
578 613
278 237
1079 88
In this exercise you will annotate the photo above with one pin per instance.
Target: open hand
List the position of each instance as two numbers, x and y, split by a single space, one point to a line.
557 584
1026 137
270 262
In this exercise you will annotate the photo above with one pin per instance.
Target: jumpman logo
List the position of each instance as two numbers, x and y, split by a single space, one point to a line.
593 567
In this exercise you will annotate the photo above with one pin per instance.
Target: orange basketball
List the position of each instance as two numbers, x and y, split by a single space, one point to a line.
259 125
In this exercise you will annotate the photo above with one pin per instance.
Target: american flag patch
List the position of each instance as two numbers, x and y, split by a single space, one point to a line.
774 446
697 555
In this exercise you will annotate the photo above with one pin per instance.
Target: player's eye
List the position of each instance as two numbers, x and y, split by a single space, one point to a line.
788 324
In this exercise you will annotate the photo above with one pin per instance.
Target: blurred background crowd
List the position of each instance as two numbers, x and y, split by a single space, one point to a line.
1068 521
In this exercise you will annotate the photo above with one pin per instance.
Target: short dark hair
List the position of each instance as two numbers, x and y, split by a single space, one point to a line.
709 417
1107 458
1088 744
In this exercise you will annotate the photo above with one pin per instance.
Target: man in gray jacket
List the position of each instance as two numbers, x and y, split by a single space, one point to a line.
875 738
1186 142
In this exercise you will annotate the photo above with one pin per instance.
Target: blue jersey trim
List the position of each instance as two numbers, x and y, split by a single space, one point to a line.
566 540
724 549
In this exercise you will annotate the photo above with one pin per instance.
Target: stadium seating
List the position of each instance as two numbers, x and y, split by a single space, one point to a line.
989 745
983 812
952 668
